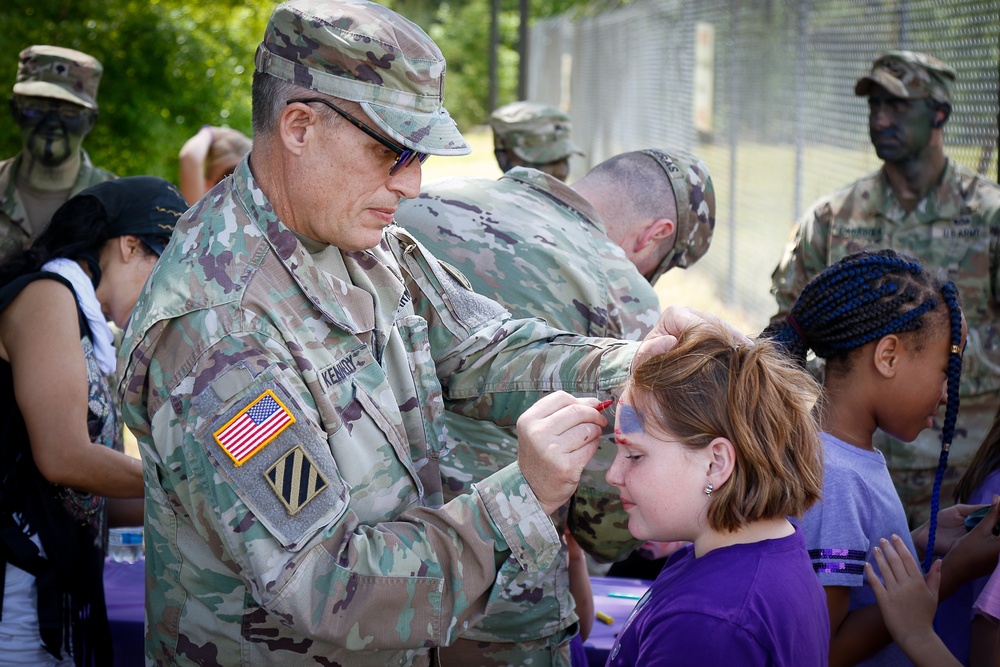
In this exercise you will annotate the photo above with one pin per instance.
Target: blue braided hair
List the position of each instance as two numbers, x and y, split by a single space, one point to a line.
862 298
950 294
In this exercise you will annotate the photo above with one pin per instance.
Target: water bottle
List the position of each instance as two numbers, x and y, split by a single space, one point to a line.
125 544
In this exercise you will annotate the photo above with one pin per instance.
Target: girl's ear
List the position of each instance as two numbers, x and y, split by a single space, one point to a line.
722 461
886 355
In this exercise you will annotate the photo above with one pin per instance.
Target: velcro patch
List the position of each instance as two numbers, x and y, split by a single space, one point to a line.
254 426
295 479
291 517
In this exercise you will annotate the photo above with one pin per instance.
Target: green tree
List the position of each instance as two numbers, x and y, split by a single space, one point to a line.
170 66
462 30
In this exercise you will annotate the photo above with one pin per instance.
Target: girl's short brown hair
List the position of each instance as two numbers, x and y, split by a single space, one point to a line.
716 384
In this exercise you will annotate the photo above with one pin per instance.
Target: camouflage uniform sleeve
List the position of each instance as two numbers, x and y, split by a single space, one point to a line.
804 258
493 368
318 553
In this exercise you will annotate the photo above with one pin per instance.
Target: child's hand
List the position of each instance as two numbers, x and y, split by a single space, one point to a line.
950 529
556 438
907 602
975 555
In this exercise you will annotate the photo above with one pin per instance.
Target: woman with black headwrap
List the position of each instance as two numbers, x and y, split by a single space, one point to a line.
60 436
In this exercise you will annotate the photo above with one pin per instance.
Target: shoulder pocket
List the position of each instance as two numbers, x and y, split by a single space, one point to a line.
274 459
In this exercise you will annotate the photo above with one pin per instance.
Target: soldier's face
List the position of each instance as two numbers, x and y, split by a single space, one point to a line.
51 130
350 196
900 129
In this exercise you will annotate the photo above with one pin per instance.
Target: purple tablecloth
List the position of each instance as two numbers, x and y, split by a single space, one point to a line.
614 597
124 587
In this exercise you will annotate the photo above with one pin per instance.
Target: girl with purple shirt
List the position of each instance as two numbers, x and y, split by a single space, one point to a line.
892 336
716 446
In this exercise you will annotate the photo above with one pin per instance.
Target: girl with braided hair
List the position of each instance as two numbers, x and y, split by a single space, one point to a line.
892 336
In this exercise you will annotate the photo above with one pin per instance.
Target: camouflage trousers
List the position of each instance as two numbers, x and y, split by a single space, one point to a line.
551 651
913 465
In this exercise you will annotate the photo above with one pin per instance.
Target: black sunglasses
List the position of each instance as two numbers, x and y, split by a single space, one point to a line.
404 156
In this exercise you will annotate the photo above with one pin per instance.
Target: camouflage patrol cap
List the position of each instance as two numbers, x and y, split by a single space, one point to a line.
363 52
695 197
909 76
58 73
535 133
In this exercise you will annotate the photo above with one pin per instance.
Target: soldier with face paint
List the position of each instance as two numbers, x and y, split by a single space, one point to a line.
926 205
55 106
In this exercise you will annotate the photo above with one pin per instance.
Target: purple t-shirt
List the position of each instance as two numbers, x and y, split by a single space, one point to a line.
746 604
859 506
954 615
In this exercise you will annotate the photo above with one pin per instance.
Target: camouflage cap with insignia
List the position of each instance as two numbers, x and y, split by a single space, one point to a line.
909 76
363 52
58 73
694 195
535 133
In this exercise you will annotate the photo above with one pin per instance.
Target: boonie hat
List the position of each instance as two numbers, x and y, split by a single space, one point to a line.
363 52
910 76
58 73
143 206
536 133
695 197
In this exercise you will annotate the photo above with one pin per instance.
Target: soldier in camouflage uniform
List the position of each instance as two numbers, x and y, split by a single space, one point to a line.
583 258
55 105
287 368
529 134
926 205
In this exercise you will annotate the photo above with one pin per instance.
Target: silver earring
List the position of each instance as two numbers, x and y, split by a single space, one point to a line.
709 489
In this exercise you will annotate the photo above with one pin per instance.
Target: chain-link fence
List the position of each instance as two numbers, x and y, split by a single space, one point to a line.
763 91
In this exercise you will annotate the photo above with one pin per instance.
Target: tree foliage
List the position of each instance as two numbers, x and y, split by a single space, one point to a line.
171 66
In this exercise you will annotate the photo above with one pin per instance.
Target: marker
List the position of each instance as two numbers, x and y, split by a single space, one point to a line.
604 618
603 404
625 596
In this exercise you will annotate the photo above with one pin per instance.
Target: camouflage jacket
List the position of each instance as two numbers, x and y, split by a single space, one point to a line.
533 244
290 422
13 228
956 227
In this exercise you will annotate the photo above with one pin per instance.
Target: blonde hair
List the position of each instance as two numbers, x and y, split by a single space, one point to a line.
228 147
714 384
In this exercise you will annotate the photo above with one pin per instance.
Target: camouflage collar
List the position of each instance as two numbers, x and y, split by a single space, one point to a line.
943 200
562 194
336 297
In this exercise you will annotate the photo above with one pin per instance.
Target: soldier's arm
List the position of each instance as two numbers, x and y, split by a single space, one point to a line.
494 368
804 258
330 556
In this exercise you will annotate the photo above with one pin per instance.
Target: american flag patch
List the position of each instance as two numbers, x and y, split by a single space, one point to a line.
253 427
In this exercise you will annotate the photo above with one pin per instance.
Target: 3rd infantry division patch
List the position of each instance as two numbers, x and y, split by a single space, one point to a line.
296 479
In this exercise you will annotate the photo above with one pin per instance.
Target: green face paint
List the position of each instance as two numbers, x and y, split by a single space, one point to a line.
899 129
52 131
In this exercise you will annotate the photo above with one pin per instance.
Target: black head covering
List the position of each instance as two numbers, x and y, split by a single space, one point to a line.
143 206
